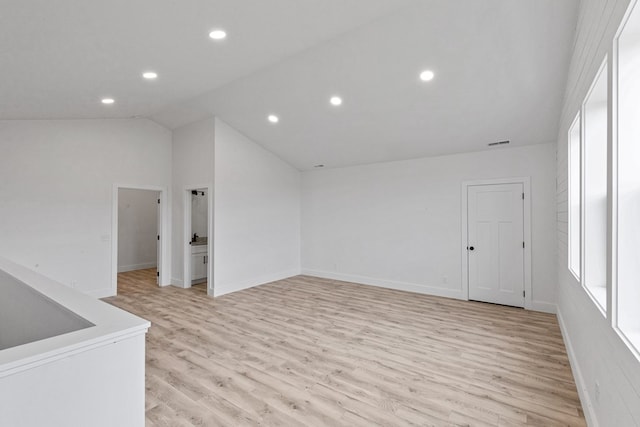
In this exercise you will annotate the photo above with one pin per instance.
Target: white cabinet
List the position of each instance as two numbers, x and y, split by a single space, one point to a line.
199 262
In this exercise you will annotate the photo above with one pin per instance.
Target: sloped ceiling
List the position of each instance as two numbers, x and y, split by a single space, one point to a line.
500 69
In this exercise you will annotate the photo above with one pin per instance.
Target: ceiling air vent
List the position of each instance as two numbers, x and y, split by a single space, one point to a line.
498 143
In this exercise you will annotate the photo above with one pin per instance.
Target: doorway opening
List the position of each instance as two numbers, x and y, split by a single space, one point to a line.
198 224
496 241
138 230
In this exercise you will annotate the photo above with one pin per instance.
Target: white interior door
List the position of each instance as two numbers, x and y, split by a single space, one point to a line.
495 243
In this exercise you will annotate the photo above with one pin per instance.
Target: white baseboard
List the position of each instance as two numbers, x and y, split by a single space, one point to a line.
545 307
101 293
179 283
583 391
133 267
253 282
382 283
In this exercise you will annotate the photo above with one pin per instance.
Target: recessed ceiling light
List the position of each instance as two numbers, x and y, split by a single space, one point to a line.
427 75
108 101
218 34
336 100
150 75
273 118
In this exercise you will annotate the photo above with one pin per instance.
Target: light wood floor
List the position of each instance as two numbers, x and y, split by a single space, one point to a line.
314 352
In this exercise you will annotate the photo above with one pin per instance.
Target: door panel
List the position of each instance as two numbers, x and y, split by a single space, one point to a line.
482 253
509 258
496 234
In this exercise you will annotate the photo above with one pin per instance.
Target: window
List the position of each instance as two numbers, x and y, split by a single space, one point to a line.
574 197
594 179
587 159
628 180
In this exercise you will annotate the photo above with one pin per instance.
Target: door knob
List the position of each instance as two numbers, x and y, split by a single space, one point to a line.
471 248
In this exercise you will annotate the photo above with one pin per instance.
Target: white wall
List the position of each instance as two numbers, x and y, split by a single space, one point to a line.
101 386
56 188
193 162
398 224
597 353
257 214
137 229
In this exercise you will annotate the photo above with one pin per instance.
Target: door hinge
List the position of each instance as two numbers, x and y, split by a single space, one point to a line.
158 237
523 294
158 201
522 196
157 273
522 245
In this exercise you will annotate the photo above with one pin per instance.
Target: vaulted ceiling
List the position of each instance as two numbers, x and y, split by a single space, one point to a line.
500 68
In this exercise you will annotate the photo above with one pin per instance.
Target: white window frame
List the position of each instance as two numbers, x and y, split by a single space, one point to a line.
613 155
601 305
573 228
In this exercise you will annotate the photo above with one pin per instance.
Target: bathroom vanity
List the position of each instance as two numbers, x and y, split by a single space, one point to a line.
199 262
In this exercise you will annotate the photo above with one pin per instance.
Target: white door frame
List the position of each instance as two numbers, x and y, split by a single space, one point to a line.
186 271
526 185
165 259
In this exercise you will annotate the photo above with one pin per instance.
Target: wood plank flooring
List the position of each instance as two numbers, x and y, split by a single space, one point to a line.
314 352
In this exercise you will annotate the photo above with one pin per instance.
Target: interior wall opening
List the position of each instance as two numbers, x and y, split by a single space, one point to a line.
197 257
137 237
